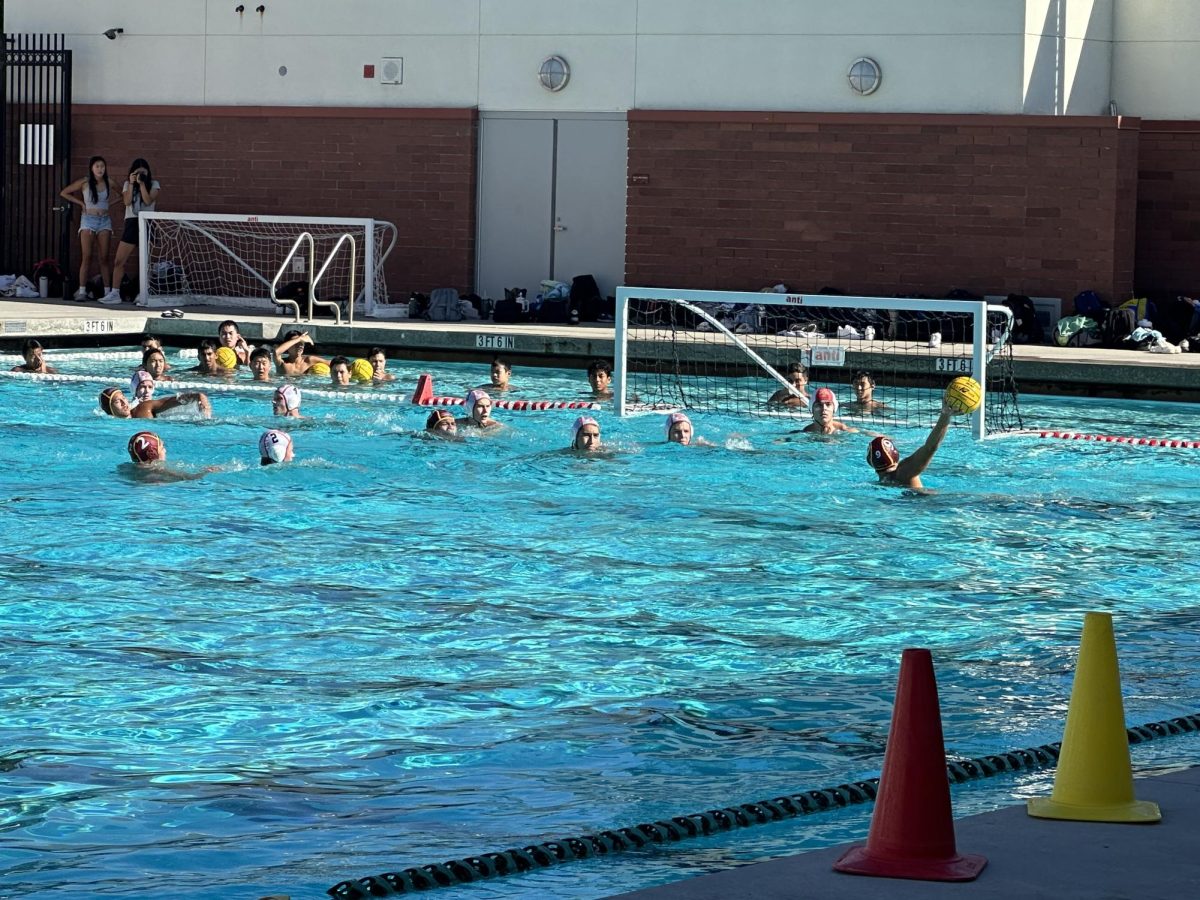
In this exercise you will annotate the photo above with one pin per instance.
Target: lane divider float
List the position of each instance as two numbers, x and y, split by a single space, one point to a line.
423 396
1116 439
678 828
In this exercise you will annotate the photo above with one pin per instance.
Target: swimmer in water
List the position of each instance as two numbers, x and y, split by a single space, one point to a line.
863 384
275 446
680 431
141 386
441 424
585 435
885 459
599 375
260 364
206 359
291 357
230 336
286 401
796 374
378 360
479 411
500 373
823 407
114 403
148 454
35 359
154 362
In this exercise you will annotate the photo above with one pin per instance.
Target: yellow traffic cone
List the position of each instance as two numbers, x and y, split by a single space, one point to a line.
1094 780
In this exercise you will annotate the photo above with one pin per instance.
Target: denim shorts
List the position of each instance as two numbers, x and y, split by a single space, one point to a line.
95 223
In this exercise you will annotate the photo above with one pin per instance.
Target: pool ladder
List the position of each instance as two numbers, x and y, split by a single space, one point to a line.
314 277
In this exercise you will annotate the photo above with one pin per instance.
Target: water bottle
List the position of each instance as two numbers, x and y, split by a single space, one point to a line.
43 287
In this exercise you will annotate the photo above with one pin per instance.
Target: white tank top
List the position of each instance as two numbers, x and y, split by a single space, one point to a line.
138 205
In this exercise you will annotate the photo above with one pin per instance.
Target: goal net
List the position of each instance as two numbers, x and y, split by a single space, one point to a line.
232 260
887 361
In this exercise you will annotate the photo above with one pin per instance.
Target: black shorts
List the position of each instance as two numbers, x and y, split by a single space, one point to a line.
130 234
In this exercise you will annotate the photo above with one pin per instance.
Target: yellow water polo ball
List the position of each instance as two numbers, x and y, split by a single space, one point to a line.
964 395
226 358
319 368
361 370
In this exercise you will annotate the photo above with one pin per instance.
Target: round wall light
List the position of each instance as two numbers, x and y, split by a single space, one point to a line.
554 73
865 76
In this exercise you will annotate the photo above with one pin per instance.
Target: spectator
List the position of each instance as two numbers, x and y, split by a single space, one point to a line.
140 192
95 224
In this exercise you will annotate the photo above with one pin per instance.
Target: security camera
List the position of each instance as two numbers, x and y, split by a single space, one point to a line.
112 33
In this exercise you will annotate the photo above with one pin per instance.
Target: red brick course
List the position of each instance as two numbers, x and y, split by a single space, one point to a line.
413 167
882 204
873 204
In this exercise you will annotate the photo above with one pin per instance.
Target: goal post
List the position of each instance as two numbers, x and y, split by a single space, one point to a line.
222 260
727 351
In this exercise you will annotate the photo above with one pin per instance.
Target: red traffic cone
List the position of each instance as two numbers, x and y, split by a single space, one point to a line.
424 390
912 828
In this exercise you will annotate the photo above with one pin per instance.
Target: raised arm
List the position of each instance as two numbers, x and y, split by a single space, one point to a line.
916 463
282 349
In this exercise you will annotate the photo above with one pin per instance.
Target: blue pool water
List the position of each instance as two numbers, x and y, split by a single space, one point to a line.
398 651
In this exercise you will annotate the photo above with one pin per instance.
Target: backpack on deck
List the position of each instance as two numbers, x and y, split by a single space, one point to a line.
444 306
1026 327
1118 325
1142 309
510 310
55 279
1088 303
1077 331
586 298
418 305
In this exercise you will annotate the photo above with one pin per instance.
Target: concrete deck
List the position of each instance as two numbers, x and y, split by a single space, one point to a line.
1041 368
1027 858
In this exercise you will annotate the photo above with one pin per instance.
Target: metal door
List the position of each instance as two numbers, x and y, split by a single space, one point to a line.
35 152
589 201
551 200
516 186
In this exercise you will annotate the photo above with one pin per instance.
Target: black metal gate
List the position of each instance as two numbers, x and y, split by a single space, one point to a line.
35 153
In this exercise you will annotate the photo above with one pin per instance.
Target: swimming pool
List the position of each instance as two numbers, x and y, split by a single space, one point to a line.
398 651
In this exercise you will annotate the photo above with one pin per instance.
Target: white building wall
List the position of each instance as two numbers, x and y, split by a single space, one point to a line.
969 56
1156 60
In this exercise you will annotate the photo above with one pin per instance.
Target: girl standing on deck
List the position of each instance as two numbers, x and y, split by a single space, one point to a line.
140 192
95 225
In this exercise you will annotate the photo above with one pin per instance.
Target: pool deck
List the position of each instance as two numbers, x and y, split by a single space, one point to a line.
1037 368
1027 858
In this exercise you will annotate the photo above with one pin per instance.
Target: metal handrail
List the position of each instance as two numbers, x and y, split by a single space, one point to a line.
312 264
337 310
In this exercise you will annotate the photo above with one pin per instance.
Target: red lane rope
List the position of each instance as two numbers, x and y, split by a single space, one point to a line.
1116 439
512 404
423 396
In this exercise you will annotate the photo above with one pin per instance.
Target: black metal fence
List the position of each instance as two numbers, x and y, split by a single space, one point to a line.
35 152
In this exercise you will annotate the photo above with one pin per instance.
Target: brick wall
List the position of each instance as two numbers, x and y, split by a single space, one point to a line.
1168 209
881 204
413 167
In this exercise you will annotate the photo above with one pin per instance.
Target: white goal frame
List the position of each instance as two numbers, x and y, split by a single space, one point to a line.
977 309
367 227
